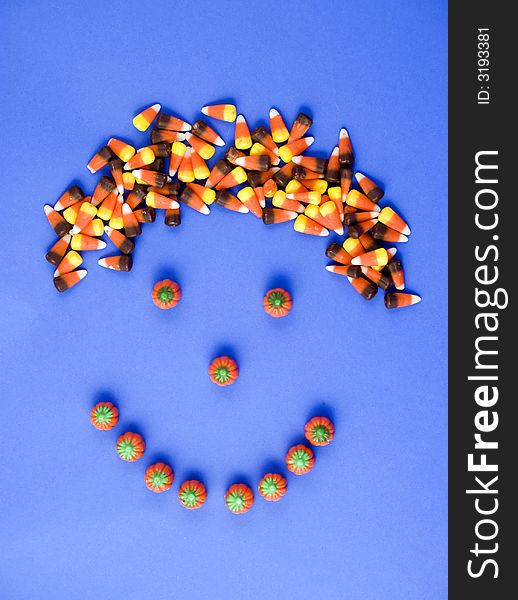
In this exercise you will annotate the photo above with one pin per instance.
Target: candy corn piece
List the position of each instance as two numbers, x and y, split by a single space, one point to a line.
305 174
333 167
335 194
131 225
70 261
229 201
203 148
86 213
303 224
259 134
359 217
58 250
314 185
116 221
107 207
102 189
259 178
116 263
145 156
399 300
171 188
259 192
136 196
69 280
82 242
353 247
347 270
284 174
329 211
335 252
144 119
172 217
254 163
70 213
357 200
220 169
365 288
268 189
374 258
160 150
71 196
295 187
273 216
199 167
296 148
249 198
116 169
367 241
312 211
391 219
94 229
177 153
358 229
156 200
153 178
192 200
258 149
100 159
165 136
306 197
395 269
236 177
346 177
280 200
301 124
146 214
232 153
203 131
386 234
278 128
222 112
377 277
318 165
243 140
171 123
345 149
185 170
208 195
128 181
123 150
57 222
125 245
369 188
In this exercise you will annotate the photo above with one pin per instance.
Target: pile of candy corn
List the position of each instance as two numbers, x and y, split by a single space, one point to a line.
317 194
239 498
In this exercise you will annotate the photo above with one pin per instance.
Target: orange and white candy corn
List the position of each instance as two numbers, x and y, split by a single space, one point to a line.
359 217
306 197
249 198
124 244
369 188
128 180
295 148
273 216
102 189
58 250
208 195
374 258
219 170
100 159
377 277
312 163
71 196
145 156
365 288
358 200
236 177
254 163
156 200
269 188
69 280
70 262
329 211
227 200
345 149
191 199
395 268
243 140
358 229
391 219
123 150
144 119
116 169
346 177
131 224
222 112
301 124
399 300
57 222
259 134
303 224
336 252
333 167
171 123
346 270
205 132
82 242
203 148
116 263
278 128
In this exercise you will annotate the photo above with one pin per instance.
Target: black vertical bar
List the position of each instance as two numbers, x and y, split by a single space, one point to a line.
480 130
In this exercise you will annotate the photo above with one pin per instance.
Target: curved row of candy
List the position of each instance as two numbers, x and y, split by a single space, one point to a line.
315 193
239 497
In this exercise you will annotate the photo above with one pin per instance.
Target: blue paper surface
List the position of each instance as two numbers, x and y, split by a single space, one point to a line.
369 522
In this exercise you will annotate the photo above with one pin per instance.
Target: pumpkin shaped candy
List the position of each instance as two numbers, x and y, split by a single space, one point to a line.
273 487
223 371
277 302
166 294
104 416
159 477
239 498
300 459
319 431
192 494
130 446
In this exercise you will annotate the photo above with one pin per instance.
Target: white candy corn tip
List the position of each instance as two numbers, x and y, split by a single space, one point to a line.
92 171
205 110
350 279
339 231
262 203
324 232
156 107
205 210
175 204
335 151
297 159
364 270
309 140
391 252
241 161
48 209
331 268
359 176
377 209
240 119
406 230
273 113
357 260
219 141
344 133
402 238
103 263
108 229
126 210
180 137
415 298
137 173
243 209
75 230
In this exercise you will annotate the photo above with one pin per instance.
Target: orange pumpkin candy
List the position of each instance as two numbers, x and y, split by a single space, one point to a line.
192 494
130 446
319 431
159 477
300 459
104 416
239 498
166 294
273 487
223 371
277 302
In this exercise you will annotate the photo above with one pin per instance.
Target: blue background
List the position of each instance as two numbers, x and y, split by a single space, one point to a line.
369 522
